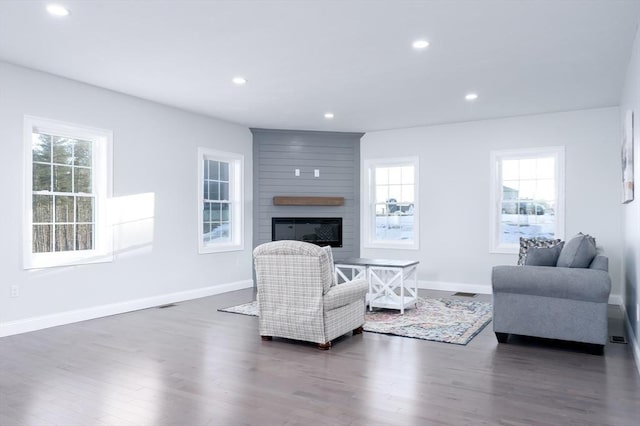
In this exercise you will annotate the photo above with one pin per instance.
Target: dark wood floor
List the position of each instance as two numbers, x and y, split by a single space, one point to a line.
191 365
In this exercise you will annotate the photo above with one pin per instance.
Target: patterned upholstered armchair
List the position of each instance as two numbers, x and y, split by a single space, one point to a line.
297 298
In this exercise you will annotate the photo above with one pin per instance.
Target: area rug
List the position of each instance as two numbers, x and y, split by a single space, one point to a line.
445 320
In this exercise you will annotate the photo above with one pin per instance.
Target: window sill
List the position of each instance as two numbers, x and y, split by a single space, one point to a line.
59 260
220 248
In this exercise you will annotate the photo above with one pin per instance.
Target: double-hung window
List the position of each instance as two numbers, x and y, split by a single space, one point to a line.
390 203
527 196
68 183
220 212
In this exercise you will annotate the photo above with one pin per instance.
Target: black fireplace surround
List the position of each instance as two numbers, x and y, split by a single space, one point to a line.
323 231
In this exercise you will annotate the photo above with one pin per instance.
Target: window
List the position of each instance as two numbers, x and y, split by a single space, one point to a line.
390 209
220 212
527 197
68 182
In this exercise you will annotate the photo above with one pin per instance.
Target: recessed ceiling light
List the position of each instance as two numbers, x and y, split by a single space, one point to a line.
328 115
239 80
57 10
471 96
420 44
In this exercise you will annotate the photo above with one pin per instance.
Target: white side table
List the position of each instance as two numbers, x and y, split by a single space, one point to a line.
393 284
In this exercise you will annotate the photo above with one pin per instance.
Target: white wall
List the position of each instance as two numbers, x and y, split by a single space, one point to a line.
455 188
631 211
154 185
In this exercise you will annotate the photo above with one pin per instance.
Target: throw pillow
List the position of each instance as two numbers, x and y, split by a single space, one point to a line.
527 243
543 256
578 252
332 265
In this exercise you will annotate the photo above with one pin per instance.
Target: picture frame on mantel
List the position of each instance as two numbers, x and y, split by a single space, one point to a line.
627 158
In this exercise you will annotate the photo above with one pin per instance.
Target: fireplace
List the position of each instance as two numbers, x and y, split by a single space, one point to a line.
323 231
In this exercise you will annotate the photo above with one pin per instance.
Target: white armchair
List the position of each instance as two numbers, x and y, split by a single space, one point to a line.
297 298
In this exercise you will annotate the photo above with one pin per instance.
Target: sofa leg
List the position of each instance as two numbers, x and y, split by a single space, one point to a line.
502 337
595 349
324 346
358 330
265 338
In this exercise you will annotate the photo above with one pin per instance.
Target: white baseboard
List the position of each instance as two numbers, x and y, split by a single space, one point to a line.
38 323
450 286
632 338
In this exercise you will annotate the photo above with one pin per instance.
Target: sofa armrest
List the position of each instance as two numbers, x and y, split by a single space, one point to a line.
600 262
345 293
591 285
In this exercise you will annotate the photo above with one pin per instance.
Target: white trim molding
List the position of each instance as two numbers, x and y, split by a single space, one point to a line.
635 345
62 318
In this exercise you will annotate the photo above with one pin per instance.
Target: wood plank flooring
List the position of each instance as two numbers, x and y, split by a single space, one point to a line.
192 365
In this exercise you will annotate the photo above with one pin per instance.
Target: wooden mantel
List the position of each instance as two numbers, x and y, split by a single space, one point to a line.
280 200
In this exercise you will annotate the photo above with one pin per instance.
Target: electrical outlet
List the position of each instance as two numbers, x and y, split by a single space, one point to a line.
14 291
316 172
296 172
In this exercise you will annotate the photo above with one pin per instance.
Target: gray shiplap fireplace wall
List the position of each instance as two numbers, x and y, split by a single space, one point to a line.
276 155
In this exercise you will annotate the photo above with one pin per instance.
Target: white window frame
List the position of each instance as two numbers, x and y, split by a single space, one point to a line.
236 194
496 191
102 181
368 211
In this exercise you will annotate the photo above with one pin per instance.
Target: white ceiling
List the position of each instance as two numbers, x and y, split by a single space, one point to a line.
353 58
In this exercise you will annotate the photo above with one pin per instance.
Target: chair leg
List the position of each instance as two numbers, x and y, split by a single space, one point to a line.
358 330
324 346
502 337
265 338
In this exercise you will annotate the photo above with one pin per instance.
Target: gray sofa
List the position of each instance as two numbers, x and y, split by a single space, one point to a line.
565 303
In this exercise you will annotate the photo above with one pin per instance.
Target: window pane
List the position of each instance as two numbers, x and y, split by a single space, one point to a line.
510 169
42 236
396 227
408 194
82 182
219 232
528 168
206 212
82 153
215 212
408 175
62 178
546 189
546 168
41 177
214 193
43 208
395 193
205 196
84 237
64 209
382 193
62 150
224 171
64 238
382 175
224 190
510 190
395 175
214 167
84 209
527 189
206 229
41 148
225 212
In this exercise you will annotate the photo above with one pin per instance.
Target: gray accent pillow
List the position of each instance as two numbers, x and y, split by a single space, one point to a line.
578 252
543 256
527 243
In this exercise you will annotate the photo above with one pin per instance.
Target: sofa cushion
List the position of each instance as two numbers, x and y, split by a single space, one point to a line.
578 252
543 256
527 243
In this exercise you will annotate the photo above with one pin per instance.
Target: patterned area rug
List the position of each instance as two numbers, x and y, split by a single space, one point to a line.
445 320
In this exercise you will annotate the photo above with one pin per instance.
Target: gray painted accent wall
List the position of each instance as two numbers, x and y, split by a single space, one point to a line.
277 153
